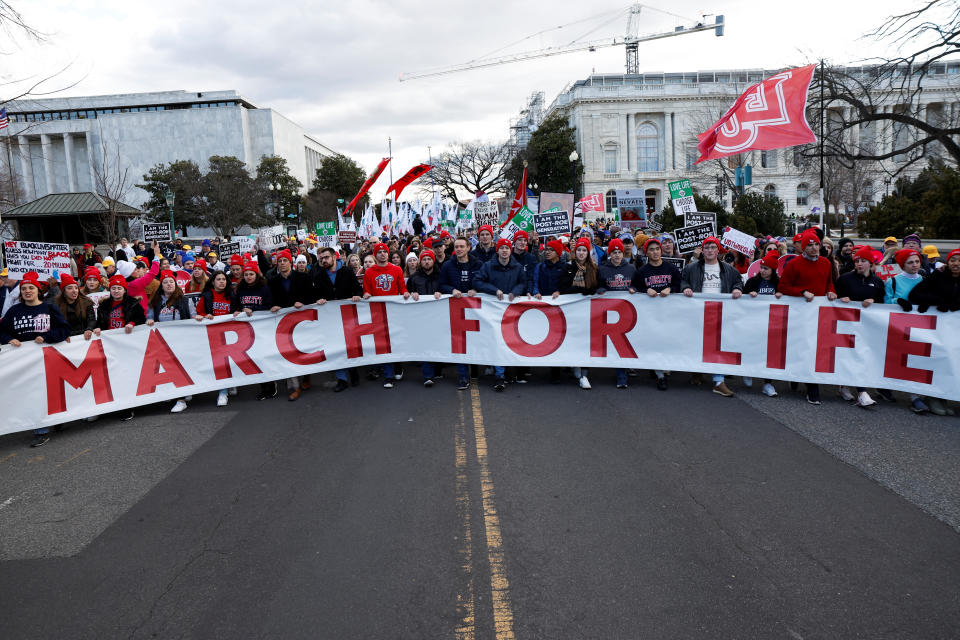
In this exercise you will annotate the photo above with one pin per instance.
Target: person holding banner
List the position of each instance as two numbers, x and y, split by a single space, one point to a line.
384 279
217 300
501 277
166 305
425 281
456 279
92 281
581 276
290 288
77 308
617 274
119 311
711 275
522 255
809 275
335 282
656 278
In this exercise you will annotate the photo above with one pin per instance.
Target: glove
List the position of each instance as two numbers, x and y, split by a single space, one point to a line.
904 304
922 308
942 308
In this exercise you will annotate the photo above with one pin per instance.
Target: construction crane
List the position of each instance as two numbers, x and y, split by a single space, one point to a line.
630 41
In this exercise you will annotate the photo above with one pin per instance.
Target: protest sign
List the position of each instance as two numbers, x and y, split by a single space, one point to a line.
156 232
486 213
270 238
654 226
700 217
763 337
632 205
681 193
347 237
552 223
43 257
246 243
577 223
291 230
326 233
521 221
885 271
679 263
691 237
301 235
555 202
228 250
739 241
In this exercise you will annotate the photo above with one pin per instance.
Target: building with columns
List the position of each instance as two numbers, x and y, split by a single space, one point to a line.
58 145
641 129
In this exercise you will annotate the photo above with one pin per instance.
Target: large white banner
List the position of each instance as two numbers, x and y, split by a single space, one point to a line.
762 337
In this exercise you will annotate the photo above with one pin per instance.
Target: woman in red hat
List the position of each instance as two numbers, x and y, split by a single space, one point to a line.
217 300
581 277
120 310
253 294
765 284
863 286
76 307
32 319
166 305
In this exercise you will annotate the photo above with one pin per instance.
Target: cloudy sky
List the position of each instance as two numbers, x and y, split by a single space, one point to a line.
333 67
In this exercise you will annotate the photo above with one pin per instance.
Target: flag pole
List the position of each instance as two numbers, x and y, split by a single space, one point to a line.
822 200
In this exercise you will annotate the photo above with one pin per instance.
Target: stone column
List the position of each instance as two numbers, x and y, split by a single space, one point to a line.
71 169
46 149
631 143
90 163
667 143
27 164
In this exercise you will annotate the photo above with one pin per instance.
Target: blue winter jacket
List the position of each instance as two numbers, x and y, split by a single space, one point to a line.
494 277
547 276
454 275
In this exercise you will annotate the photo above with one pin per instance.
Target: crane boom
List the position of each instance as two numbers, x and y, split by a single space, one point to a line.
628 40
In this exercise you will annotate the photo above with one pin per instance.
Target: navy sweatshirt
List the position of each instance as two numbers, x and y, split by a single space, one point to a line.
25 323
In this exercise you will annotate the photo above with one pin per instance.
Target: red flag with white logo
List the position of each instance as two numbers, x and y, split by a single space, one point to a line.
769 115
520 200
366 185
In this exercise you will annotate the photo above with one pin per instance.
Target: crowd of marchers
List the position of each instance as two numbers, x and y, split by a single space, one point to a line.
118 288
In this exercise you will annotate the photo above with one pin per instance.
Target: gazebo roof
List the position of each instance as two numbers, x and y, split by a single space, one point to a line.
69 204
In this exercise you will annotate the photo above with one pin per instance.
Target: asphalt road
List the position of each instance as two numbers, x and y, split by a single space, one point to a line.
541 512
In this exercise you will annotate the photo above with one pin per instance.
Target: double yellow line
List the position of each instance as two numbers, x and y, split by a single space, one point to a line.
466 627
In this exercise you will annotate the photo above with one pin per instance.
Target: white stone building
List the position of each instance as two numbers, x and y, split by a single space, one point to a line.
55 145
641 129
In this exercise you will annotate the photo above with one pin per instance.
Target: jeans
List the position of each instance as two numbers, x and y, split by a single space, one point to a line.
342 374
717 379
621 376
463 371
41 431
427 369
388 370
499 372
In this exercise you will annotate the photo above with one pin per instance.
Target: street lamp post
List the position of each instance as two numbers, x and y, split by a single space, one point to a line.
170 198
574 156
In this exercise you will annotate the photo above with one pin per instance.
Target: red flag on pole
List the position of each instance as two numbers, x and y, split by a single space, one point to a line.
366 185
520 200
769 115
409 177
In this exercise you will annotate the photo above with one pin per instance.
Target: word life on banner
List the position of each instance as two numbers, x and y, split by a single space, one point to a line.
552 223
157 232
43 257
691 237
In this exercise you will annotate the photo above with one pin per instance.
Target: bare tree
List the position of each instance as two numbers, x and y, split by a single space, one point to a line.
470 167
112 183
875 112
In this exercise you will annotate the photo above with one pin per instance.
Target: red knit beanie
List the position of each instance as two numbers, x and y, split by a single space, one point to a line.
251 265
557 246
236 259
650 241
428 243
615 245
902 255
167 273
118 281
66 279
772 259
428 253
91 272
485 227
31 277
521 234
807 237
708 240
503 242
285 254
865 253
955 252
380 246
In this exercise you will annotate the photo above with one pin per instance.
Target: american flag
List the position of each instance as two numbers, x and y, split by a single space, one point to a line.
4 120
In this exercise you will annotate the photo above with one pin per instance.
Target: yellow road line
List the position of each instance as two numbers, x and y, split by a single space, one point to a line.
466 628
12 455
85 451
499 585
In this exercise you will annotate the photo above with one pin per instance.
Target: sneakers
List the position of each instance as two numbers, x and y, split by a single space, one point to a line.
768 390
341 385
187 398
222 398
266 394
864 400
127 417
398 373
40 439
500 385
748 383
937 408
622 385
813 398
662 384
292 397
584 383
521 380
428 382
723 390
845 394
304 384
373 374
179 407
232 391
463 383
388 385
918 406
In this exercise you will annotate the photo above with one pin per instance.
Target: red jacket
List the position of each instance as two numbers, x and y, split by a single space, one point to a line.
384 281
802 274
